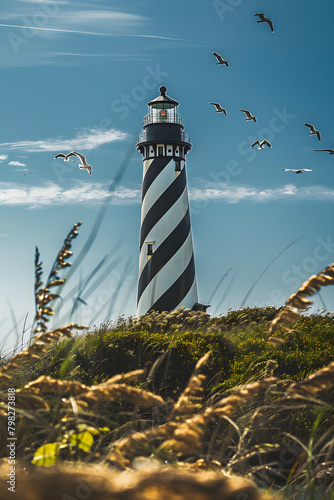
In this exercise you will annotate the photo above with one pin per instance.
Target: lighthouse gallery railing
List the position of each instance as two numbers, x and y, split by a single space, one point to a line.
157 118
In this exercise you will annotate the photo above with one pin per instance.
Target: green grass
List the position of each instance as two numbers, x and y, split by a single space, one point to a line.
238 341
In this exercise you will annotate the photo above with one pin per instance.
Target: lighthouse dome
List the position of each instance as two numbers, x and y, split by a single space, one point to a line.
163 101
163 109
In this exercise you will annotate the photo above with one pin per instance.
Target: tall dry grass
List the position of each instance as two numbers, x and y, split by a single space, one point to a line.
43 297
120 424
298 301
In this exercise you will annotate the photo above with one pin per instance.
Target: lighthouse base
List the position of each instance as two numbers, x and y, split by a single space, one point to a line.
199 307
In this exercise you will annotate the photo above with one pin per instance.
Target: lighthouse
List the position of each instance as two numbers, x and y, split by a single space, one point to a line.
166 262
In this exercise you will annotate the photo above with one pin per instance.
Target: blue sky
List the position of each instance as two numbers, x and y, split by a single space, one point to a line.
77 75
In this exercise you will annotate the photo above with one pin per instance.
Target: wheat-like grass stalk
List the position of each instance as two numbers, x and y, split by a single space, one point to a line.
45 384
129 447
276 341
186 437
183 433
114 392
182 438
34 352
298 300
27 401
43 297
316 382
125 377
108 391
227 406
184 405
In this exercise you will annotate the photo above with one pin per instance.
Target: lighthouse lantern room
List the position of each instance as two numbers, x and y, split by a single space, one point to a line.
166 262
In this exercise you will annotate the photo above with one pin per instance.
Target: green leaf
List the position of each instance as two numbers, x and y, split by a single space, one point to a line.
104 429
83 440
87 428
46 455
65 366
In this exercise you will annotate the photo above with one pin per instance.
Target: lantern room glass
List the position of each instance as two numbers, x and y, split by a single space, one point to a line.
163 111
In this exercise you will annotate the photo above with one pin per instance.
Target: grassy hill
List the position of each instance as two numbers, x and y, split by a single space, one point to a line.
242 349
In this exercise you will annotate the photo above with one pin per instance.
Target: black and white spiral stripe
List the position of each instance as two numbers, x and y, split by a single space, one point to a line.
167 279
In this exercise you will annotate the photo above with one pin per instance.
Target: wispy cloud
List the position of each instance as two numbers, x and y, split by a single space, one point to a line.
34 32
237 193
94 33
88 17
83 193
45 1
87 140
59 2
107 16
95 193
3 157
16 164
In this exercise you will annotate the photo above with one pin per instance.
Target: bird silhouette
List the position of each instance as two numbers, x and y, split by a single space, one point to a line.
330 151
220 59
249 115
218 107
261 144
264 19
81 157
299 171
313 131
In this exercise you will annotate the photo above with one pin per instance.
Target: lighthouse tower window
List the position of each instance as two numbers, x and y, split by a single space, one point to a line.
177 166
160 150
149 250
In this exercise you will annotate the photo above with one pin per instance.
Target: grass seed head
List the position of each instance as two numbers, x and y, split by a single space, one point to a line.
120 391
47 384
316 382
128 377
298 300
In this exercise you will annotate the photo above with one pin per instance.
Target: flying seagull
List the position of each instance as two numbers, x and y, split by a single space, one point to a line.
330 151
264 19
300 171
218 107
313 131
249 115
220 59
261 144
82 158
